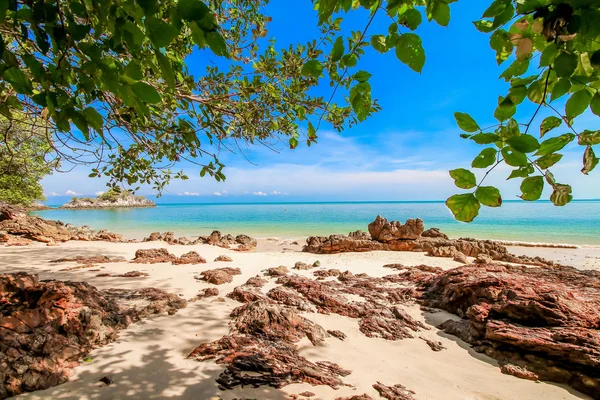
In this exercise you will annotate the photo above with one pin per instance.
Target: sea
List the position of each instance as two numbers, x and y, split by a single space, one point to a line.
537 222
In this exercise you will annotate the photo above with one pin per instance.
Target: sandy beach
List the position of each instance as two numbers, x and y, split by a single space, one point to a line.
149 359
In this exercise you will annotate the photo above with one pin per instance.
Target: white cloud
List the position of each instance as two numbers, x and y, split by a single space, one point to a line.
259 193
188 194
278 193
70 193
100 193
52 194
218 193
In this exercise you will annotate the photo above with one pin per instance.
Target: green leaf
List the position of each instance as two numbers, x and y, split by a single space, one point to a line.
312 132
410 51
485 138
18 80
554 144
133 71
595 104
293 143
463 178
589 138
360 99
497 7
577 103
441 13
146 92
505 110
362 76
524 143
94 119
549 160
161 33
500 41
514 158
548 55
532 188
412 19
312 68
484 26
192 10
465 207
561 194
489 196
548 124
522 172
537 92
166 68
379 44
217 44
589 160
338 49
486 158
560 88
565 64
465 122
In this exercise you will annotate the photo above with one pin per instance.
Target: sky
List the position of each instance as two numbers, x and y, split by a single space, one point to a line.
402 153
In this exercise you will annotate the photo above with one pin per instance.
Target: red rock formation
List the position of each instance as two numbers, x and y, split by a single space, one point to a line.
204 293
326 273
46 328
383 231
434 233
190 258
220 276
290 298
153 256
337 334
396 392
223 258
88 260
278 271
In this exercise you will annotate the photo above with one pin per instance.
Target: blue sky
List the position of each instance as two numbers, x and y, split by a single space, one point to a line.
403 152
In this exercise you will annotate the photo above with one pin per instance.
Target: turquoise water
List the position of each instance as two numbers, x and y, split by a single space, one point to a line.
577 223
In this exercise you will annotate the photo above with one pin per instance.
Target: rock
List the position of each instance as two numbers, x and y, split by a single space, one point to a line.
460 257
110 199
204 293
190 258
154 236
153 256
302 266
224 258
246 294
220 276
383 231
389 324
278 271
134 274
363 396
325 273
90 260
107 380
434 233
396 392
256 281
307 394
542 319
338 334
519 372
483 259
49 326
289 297
246 241
434 345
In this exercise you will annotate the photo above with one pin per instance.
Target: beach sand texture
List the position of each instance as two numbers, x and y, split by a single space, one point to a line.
149 360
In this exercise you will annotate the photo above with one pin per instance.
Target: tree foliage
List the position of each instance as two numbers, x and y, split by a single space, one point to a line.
23 163
110 80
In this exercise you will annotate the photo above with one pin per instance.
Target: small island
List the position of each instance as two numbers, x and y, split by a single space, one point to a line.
110 199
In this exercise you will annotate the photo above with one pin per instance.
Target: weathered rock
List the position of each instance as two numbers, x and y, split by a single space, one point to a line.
302 266
519 372
483 259
363 396
396 392
204 293
278 271
223 258
460 257
220 276
133 274
190 258
153 256
434 233
338 334
383 231
246 294
389 324
433 344
89 260
289 297
325 273
45 328
256 281
545 320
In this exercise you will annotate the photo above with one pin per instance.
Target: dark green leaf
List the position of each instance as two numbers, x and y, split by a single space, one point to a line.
505 110
595 104
488 196
577 103
548 124
514 158
485 138
465 122
554 144
465 207
217 44
362 76
532 188
18 80
589 160
338 49
312 68
524 143
500 41
548 55
565 64
160 32
486 158
463 178
561 194
379 44
166 68
192 10
560 88
410 51
293 143
497 7
412 18
589 138
549 160
94 119
146 92
441 13
522 172
483 26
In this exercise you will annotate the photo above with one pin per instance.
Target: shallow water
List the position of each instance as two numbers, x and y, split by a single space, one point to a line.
577 223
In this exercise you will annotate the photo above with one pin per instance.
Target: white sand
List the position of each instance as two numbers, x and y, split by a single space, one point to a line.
148 361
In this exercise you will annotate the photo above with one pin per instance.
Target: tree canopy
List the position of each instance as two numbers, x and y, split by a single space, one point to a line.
110 80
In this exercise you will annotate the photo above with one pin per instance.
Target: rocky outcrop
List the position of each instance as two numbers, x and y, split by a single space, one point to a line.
190 258
237 243
542 321
434 233
260 349
110 199
46 328
223 258
90 260
220 276
383 231
153 256
277 271
205 293
396 392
